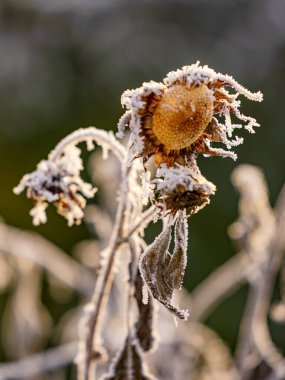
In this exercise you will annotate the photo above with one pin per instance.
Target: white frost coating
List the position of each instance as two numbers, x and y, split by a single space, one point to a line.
90 144
123 122
145 294
38 213
134 99
196 74
147 188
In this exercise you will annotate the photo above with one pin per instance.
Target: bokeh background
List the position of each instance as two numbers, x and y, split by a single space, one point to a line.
64 65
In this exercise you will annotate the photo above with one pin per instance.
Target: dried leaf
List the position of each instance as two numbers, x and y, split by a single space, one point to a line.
177 265
129 364
144 328
162 272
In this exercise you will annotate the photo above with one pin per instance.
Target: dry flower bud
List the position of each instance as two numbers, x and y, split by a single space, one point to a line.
182 188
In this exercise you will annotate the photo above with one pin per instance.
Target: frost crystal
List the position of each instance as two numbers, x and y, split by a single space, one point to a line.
196 74
147 188
58 182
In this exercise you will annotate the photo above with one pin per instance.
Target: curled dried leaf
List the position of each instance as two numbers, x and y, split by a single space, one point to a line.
163 272
129 364
177 264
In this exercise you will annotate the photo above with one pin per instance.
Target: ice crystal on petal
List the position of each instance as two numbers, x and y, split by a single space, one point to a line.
197 74
58 182
147 188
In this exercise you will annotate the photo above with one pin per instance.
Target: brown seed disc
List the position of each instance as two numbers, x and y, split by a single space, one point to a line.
182 115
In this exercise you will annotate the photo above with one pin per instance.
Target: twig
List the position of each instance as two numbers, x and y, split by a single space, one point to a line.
261 335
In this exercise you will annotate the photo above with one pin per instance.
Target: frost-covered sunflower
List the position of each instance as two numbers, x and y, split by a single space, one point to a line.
183 115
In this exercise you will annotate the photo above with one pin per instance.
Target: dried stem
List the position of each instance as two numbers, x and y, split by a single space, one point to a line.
91 322
103 138
261 335
254 334
86 364
145 219
39 363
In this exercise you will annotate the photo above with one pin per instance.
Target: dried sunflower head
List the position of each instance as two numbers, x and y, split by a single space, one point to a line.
181 116
182 188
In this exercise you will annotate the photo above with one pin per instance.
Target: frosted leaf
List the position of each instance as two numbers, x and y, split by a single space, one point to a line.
178 261
158 271
144 325
129 364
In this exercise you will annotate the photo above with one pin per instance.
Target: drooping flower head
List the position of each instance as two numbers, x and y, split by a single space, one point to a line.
183 115
58 182
182 188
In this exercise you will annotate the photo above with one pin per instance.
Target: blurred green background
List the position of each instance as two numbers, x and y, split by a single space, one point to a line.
65 63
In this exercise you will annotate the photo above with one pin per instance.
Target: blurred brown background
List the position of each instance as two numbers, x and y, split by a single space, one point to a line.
64 65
